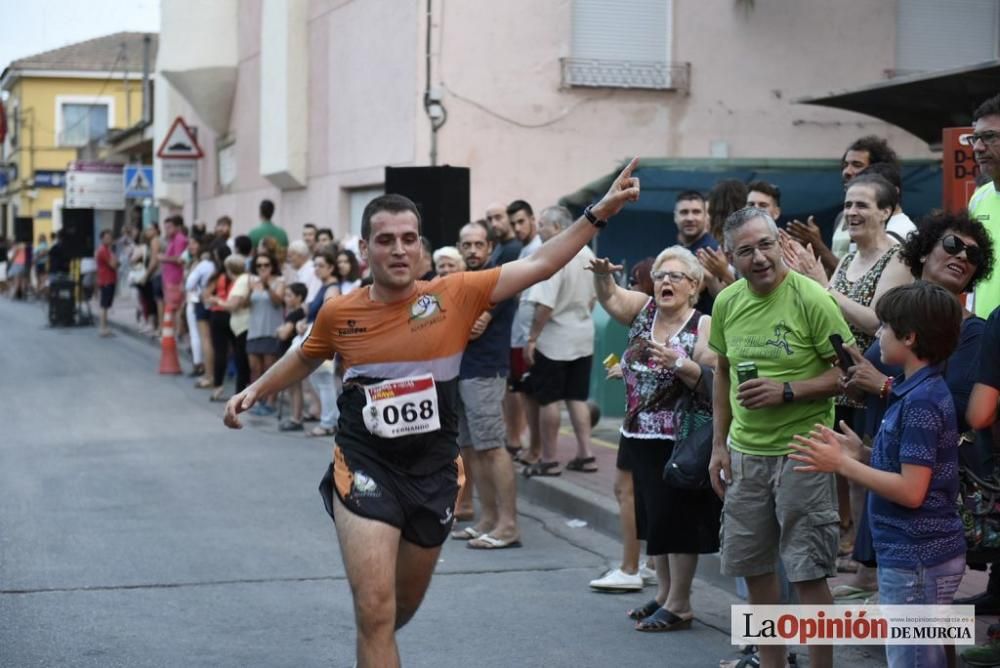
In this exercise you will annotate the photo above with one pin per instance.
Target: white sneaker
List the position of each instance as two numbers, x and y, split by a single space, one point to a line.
648 575
617 580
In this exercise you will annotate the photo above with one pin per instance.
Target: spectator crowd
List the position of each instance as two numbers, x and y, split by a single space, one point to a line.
802 406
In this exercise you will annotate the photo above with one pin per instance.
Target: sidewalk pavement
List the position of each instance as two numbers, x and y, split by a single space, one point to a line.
582 496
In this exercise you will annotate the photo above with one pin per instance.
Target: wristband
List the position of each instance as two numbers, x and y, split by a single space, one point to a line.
886 388
592 217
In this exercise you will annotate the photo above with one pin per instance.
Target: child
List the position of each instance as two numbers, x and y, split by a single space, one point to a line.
913 474
295 295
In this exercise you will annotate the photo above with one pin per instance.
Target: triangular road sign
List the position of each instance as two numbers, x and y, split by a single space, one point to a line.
180 143
139 182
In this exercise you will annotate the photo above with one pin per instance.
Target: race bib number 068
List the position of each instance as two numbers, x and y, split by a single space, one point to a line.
402 407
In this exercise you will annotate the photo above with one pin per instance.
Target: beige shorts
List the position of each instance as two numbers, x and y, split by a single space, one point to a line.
770 510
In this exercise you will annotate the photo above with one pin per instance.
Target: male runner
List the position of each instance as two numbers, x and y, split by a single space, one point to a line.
392 485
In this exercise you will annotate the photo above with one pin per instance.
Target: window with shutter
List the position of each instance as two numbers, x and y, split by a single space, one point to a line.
622 44
934 35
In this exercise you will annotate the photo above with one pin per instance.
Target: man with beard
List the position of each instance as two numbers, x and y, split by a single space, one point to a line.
392 485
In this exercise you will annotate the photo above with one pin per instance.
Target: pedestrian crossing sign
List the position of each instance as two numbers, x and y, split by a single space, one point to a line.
138 181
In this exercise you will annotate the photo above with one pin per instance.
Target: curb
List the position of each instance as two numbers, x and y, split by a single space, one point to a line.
565 498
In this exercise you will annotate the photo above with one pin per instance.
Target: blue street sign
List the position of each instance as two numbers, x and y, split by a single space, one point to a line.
138 181
49 178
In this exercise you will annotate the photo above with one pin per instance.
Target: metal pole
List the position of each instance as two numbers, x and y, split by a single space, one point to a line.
194 185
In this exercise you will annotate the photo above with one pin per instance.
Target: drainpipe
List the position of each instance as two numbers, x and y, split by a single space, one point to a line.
147 97
432 96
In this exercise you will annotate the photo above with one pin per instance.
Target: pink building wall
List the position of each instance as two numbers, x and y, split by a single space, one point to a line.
510 120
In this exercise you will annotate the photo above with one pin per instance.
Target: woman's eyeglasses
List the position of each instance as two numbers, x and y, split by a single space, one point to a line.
952 245
674 276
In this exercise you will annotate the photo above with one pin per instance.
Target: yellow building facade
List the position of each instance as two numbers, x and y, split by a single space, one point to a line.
60 106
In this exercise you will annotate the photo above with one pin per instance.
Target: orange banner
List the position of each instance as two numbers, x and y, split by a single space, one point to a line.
958 178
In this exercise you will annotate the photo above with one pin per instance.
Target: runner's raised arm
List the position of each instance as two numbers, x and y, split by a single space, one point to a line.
551 256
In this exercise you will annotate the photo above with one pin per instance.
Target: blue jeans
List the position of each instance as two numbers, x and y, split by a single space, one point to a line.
927 585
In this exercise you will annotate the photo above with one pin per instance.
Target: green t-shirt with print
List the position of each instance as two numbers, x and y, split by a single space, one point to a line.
984 206
787 334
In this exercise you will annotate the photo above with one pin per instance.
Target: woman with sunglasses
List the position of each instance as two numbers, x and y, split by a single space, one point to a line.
955 252
667 358
267 310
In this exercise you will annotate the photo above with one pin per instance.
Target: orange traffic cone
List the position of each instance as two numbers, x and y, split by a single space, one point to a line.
169 364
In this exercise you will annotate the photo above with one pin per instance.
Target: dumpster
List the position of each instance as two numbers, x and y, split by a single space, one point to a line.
609 337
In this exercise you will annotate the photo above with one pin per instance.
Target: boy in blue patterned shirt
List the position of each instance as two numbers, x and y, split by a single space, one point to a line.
913 472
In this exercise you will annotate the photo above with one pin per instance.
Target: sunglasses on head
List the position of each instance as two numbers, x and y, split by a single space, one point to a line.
952 245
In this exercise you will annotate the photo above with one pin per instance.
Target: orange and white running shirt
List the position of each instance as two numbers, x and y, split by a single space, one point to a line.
425 333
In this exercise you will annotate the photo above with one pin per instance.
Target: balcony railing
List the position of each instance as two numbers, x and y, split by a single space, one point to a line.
648 75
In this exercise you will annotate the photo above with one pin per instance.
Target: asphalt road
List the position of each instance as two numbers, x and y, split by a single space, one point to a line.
135 530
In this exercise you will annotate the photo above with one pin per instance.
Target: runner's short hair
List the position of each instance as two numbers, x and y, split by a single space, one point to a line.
393 204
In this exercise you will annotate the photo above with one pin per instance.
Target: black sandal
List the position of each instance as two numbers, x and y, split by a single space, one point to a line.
644 611
662 621
582 464
541 468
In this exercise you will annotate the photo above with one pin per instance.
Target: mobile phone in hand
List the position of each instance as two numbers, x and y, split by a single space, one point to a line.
844 359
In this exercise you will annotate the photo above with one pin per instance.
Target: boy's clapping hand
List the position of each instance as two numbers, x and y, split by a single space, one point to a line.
826 450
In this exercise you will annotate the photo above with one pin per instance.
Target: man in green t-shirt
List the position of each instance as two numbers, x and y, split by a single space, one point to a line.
267 228
780 321
985 203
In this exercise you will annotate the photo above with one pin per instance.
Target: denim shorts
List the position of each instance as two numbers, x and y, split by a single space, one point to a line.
925 585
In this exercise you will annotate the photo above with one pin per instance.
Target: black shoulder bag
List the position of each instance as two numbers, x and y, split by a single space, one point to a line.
687 467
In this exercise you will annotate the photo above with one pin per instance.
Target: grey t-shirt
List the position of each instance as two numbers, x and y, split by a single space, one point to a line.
265 315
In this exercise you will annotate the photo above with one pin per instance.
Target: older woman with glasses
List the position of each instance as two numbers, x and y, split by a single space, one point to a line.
955 252
667 358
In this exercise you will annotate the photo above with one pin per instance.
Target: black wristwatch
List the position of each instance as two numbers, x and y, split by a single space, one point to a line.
594 220
788 395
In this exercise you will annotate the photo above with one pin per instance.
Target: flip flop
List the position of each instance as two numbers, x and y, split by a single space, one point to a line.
467 533
488 542
662 621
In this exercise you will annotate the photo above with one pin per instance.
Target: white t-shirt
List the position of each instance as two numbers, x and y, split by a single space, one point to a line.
525 310
569 333
197 279
900 225
307 274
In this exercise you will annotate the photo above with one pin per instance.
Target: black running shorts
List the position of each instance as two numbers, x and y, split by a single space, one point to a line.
421 507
